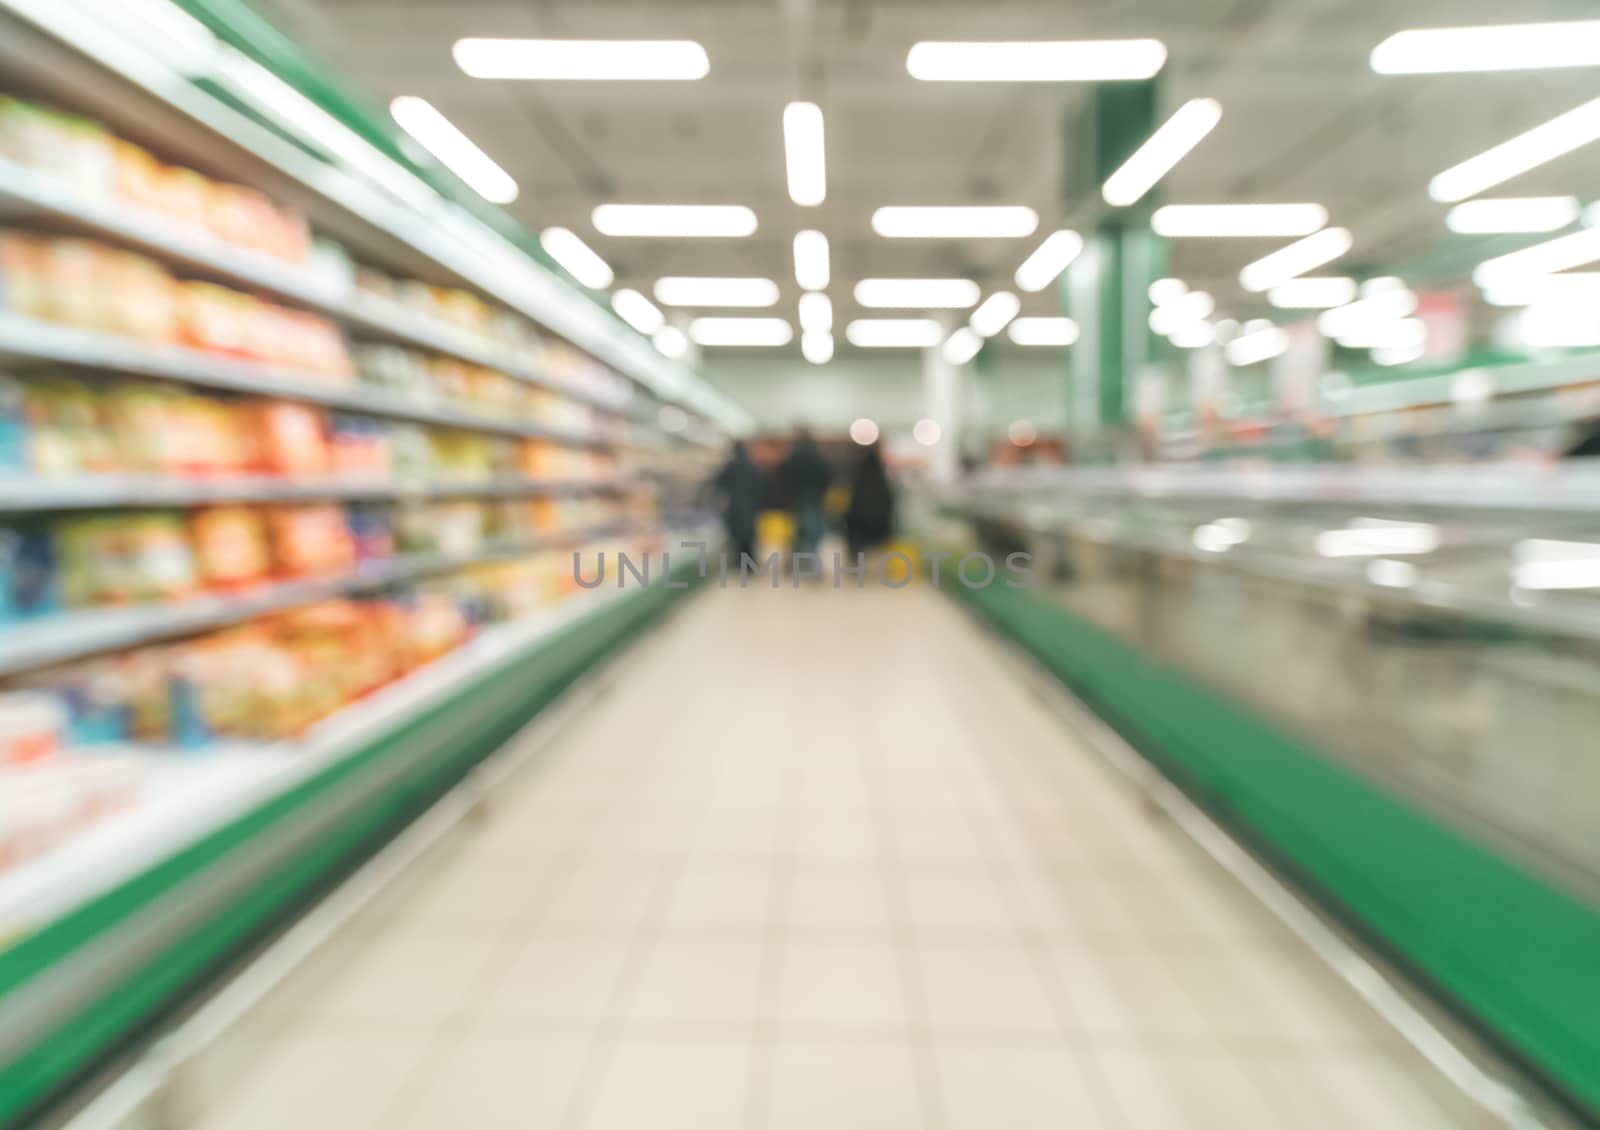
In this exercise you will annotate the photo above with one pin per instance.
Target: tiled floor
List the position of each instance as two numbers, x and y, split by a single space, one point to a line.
817 863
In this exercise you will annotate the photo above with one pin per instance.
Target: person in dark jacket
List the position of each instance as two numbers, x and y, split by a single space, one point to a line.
739 486
1586 445
869 522
802 483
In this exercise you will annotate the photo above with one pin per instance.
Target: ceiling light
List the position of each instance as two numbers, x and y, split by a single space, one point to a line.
741 331
1561 134
1227 221
1574 288
617 60
983 221
1163 291
1059 332
1513 214
1195 335
1047 262
1156 158
1312 293
1389 356
811 260
918 294
893 333
1088 60
577 258
1558 327
1296 259
1380 308
997 310
817 348
926 432
1508 47
1399 334
1541 259
863 431
962 346
1545 563
1256 346
816 313
638 311
670 342
675 221
1375 537
455 149
804 153
683 291
1186 309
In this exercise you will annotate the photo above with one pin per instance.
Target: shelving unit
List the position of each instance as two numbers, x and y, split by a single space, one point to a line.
85 921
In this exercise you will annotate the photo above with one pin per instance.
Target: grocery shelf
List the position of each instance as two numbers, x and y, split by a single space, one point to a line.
190 795
65 636
23 339
26 192
29 493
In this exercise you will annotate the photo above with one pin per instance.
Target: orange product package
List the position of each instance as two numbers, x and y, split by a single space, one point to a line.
75 284
241 216
137 175
183 194
141 298
213 318
310 541
230 546
293 439
22 275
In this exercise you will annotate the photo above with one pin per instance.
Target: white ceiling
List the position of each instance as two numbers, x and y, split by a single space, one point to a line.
1304 119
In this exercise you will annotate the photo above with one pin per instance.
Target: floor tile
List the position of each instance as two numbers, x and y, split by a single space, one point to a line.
678 1084
699 981
846 1085
1019 1086
984 989
841 984
558 979
494 1079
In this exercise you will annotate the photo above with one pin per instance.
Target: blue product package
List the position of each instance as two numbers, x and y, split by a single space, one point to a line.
30 578
13 429
190 730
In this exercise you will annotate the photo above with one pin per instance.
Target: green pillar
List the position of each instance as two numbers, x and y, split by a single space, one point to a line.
1106 287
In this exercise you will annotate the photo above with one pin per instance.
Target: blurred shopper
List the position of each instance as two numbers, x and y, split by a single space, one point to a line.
869 522
739 485
802 483
1587 443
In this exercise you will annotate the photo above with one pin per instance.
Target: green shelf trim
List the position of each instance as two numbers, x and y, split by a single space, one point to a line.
446 741
1516 958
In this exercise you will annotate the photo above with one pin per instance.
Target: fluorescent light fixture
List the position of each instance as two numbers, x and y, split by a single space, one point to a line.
1047 262
1256 346
1312 293
962 346
863 431
1163 291
455 149
804 153
1195 335
981 221
1513 214
1085 60
685 291
751 332
817 348
1186 309
577 257
918 294
995 313
670 342
1397 335
816 313
1560 135
1546 563
926 431
1058 332
1507 47
1545 258
675 221
1389 356
582 60
1158 156
638 311
1376 537
1577 288
1380 308
1392 574
1559 327
893 333
1299 257
1237 221
1222 535
811 269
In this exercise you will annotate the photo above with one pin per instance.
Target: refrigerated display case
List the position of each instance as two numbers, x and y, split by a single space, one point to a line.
296 451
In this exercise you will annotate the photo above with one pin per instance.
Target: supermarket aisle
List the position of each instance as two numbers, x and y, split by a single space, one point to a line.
818 863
